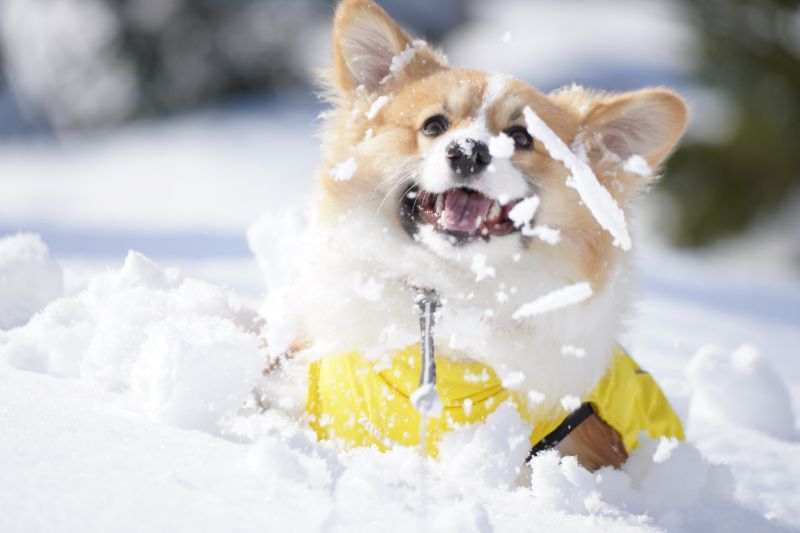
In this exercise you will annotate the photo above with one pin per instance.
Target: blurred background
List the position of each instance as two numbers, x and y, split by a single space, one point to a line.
168 126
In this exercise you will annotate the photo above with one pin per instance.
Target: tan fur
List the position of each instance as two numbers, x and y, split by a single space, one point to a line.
389 150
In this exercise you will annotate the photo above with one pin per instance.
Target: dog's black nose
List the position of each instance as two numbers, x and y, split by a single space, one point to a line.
468 157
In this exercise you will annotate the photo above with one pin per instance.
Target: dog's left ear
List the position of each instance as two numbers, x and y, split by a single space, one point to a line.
647 123
365 41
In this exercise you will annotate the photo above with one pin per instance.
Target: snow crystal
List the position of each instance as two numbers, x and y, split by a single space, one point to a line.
29 278
570 402
522 213
573 351
376 106
344 171
601 204
501 146
480 268
557 299
638 165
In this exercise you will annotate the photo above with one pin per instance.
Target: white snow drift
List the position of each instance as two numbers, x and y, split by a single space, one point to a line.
180 348
29 278
183 352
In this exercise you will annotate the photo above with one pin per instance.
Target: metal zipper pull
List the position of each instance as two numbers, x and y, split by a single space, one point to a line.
425 399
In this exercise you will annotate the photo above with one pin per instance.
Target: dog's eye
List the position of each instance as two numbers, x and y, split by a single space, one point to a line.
435 125
520 136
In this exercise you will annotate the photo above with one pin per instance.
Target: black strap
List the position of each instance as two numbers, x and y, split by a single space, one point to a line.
572 421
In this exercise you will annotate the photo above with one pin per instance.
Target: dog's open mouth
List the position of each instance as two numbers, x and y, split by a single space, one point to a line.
462 213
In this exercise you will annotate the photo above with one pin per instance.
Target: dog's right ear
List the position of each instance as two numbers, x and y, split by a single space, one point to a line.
365 40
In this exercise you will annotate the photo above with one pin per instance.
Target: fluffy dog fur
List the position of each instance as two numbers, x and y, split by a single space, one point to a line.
354 287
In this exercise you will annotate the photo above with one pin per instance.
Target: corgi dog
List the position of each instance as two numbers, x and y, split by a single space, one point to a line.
469 184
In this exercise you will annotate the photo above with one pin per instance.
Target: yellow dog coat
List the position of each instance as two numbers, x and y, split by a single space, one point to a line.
356 402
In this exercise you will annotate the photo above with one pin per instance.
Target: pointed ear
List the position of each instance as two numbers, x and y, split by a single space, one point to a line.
647 123
365 39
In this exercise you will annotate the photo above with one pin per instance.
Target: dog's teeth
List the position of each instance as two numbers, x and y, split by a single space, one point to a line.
439 203
494 211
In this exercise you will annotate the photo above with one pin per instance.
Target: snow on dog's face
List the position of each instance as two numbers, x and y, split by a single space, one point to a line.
444 156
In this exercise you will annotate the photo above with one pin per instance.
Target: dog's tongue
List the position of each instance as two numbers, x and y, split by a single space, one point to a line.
464 210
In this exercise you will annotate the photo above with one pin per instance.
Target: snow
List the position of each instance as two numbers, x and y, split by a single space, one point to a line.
179 348
637 165
345 170
513 380
570 403
87 453
740 388
501 146
573 351
665 447
400 61
480 268
554 300
369 289
238 164
547 234
376 106
639 37
72 443
522 213
29 278
599 201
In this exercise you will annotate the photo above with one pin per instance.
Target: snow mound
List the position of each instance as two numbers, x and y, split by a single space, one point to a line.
29 278
479 484
490 454
183 351
739 388
679 490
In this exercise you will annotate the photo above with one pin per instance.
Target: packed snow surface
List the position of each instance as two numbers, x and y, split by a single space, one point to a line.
596 197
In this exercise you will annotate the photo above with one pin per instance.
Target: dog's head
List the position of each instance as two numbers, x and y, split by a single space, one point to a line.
445 158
